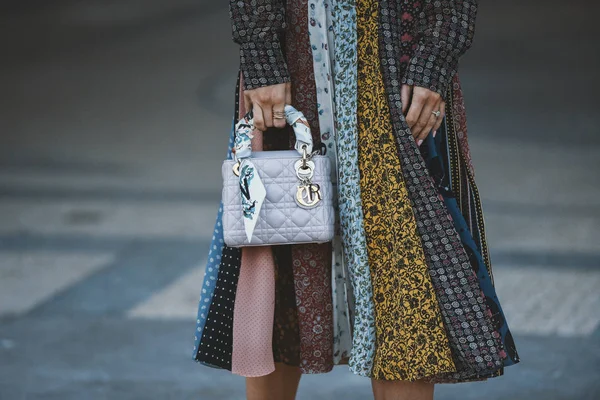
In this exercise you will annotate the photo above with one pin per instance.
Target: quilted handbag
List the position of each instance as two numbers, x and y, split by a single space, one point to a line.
277 197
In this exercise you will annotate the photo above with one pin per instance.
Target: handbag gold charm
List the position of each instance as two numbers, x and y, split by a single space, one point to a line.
308 195
236 168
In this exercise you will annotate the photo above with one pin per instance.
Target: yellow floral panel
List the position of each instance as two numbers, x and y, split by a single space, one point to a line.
411 341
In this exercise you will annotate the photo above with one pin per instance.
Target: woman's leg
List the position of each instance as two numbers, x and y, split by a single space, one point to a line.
281 384
402 390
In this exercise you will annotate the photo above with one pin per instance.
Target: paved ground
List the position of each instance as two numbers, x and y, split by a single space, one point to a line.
113 124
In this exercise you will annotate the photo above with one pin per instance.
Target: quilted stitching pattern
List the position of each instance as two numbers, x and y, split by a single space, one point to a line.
281 219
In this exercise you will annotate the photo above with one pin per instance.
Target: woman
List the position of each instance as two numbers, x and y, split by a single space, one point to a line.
404 293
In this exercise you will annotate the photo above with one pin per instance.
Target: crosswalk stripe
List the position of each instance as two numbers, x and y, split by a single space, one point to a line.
28 279
178 300
536 301
544 301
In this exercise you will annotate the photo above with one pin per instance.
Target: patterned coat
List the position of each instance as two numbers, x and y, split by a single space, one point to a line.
405 291
433 35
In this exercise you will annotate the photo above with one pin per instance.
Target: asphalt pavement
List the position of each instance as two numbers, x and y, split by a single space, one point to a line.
114 118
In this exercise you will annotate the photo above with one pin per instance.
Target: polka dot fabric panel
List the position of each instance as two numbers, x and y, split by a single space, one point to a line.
216 346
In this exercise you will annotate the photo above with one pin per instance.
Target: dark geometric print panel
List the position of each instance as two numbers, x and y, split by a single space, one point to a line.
475 343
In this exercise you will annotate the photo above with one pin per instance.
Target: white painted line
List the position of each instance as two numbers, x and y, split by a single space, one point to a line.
542 301
536 301
176 301
27 280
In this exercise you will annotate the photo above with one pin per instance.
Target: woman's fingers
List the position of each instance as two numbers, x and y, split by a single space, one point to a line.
427 130
419 122
412 117
267 102
279 108
439 120
259 119
405 95
420 117
247 102
267 116
279 116
288 93
427 120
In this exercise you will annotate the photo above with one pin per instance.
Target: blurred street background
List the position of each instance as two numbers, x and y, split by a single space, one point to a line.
114 118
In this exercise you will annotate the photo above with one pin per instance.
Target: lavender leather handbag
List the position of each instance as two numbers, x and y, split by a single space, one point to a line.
277 197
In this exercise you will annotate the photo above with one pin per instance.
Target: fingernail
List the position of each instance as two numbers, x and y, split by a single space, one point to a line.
434 133
419 142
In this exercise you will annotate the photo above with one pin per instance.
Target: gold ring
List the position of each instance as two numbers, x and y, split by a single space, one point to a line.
278 114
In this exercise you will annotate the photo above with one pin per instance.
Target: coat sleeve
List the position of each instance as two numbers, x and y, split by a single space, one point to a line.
447 33
257 26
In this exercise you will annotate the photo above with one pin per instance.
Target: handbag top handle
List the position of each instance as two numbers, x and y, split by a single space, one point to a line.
242 147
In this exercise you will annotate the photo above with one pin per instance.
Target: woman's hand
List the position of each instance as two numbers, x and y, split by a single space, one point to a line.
420 116
267 104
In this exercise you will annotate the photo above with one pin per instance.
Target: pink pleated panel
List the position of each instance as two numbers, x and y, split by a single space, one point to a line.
253 314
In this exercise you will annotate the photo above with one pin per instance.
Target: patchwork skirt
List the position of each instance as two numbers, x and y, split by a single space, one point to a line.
405 290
